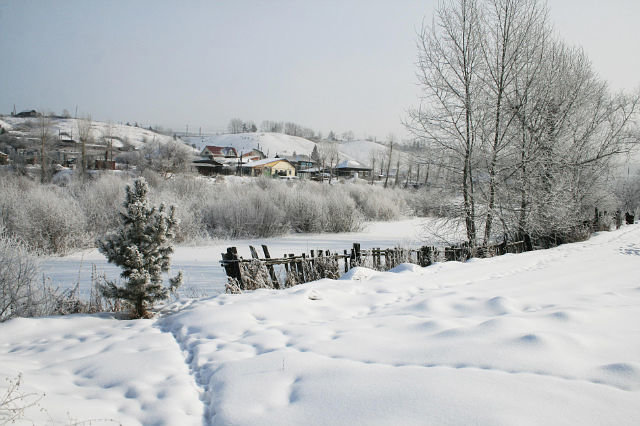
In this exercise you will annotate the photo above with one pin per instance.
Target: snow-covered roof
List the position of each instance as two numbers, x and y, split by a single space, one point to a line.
223 151
265 162
351 164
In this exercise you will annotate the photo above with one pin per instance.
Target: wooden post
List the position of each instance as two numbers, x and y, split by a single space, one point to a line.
301 267
356 248
346 262
272 272
231 263
254 253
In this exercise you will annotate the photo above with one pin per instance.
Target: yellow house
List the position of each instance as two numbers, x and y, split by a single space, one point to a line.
271 167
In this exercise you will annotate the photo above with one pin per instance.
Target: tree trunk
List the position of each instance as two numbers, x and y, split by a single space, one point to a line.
386 180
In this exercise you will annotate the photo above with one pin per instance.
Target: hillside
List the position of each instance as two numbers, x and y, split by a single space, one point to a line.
68 129
545 337
269 143
281 144
361 150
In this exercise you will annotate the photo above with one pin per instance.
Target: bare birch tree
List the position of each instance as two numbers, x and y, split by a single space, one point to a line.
512 27
449 61
44 135
84 134
520 120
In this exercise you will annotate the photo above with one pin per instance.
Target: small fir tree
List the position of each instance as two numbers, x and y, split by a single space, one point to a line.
315 156
142 248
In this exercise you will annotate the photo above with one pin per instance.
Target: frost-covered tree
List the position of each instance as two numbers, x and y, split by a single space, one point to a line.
44 134
142 248
517 120
166 158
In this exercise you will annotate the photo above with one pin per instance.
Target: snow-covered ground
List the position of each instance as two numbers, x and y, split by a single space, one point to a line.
549 337
200 264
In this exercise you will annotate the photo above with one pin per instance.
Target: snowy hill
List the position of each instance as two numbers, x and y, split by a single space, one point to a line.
68 128
541 338
269 143
281 144
361 151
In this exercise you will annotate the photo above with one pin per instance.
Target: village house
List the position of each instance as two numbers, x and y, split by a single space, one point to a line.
351 168
219 152
253 155
208 167
270 167
300 161
28 114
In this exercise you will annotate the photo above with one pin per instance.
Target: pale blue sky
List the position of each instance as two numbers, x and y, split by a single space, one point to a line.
330 65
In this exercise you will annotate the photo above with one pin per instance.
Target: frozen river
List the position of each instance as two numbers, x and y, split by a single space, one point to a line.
201 264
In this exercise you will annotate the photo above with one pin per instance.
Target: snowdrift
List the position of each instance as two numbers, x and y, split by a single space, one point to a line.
547 337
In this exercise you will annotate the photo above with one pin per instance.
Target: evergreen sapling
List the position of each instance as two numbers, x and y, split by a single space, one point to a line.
142 247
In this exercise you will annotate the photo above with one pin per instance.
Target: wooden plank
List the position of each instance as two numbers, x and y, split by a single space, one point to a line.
254 253
301 265
272 272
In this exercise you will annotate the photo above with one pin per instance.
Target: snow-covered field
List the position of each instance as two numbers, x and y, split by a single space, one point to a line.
549 337
200 264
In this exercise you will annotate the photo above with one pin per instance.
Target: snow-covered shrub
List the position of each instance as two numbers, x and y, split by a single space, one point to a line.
435 202
165 158
244 211
18 275
45 217
305 210
186 193
340 212
255 275
99 200
14 402
377 203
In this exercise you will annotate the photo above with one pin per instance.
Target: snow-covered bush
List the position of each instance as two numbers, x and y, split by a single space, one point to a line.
186 193
377 203
305 210
165 158
244 211
45 217
99 200
18 275
433 202
340 212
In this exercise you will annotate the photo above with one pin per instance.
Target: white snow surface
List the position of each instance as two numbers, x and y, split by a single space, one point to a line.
548 337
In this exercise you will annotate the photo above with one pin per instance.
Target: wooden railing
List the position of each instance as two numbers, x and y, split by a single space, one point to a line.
257 272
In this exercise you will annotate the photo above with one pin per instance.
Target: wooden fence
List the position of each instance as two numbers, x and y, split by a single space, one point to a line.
250 274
